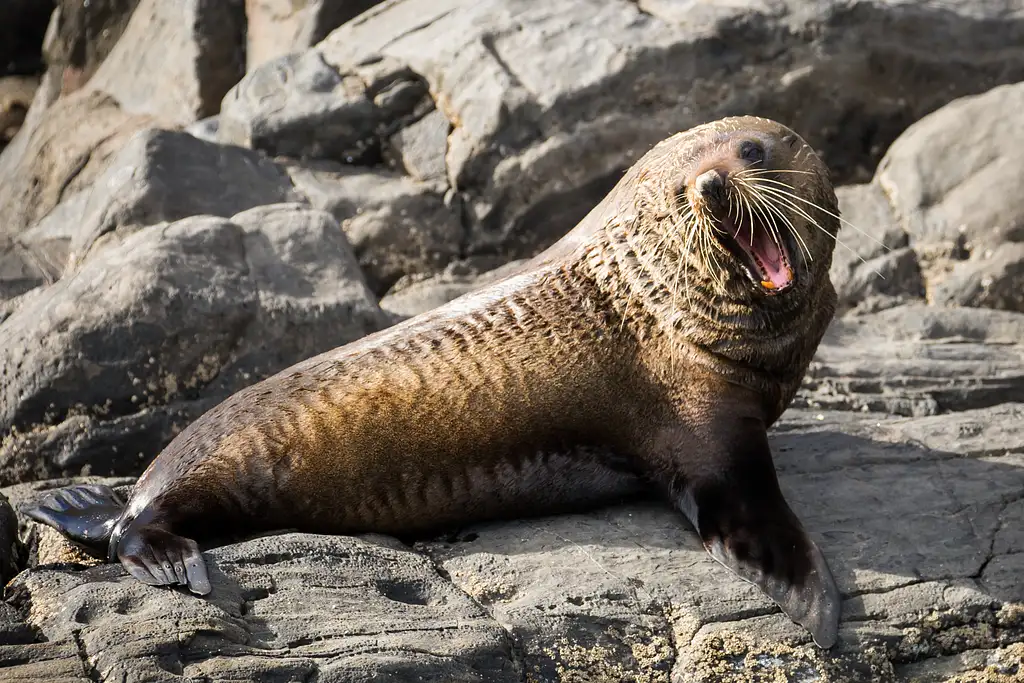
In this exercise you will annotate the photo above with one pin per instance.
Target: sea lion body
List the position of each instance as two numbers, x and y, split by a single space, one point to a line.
654 342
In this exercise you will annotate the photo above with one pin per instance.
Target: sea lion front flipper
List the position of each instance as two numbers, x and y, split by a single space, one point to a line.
720 475
159 558
84 513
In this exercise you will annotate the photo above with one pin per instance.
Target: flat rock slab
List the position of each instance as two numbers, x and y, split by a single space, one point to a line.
920 516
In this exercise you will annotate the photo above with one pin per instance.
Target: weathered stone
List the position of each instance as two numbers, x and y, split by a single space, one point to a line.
158 176
81 35
283 608
994 279
460 277
397 226
549 102
176 60
100 369
954 181
420 148
300 106
280 27
65 151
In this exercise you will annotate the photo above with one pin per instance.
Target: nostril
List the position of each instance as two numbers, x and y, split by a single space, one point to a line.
711 185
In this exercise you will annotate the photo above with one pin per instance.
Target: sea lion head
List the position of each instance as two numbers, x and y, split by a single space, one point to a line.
746 205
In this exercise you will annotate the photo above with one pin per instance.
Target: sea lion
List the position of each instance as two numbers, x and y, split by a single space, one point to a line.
659 339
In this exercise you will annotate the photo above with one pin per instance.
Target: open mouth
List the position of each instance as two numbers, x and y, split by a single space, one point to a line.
764 257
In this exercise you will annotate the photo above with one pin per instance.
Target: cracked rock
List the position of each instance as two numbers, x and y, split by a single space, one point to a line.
301 106
398 227
100 369
283 608
549 102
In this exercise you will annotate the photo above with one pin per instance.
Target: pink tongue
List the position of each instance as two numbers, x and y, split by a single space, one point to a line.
771 257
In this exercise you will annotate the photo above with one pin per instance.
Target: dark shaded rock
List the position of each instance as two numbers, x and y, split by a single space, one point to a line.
65 150
283 608
549 102
16 93
80 37
22 26
397 226
176 60
11 551
301 106
280 27
99 370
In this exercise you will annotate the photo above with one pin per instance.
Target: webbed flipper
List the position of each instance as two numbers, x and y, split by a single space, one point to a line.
84 513
157 557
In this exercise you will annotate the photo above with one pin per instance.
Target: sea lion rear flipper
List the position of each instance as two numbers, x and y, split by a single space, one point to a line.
85 513
159 558
725 484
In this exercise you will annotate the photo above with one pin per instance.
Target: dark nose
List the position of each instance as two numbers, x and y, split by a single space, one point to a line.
711 185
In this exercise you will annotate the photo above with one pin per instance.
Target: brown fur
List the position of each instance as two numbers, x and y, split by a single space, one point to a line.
624 349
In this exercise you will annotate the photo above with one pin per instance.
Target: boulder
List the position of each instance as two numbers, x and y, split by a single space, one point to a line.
953 180
63 151
158 176
101 369
176 60
919 516
280 27
548 103
398 227
301 106
460 277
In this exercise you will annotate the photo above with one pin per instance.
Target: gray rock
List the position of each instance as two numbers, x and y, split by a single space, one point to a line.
457 279
420 148
549 102
176 60
953 182
397 226
279 27
158 176
100 369
300 106
165 175
62 152
993 280
283 608
205 129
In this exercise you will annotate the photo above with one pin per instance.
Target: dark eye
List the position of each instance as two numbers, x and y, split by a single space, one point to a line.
751 151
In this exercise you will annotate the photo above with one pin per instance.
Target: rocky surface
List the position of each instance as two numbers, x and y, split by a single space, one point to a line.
920 516
187 208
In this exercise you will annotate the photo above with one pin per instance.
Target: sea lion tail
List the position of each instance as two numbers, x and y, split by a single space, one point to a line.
85 513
